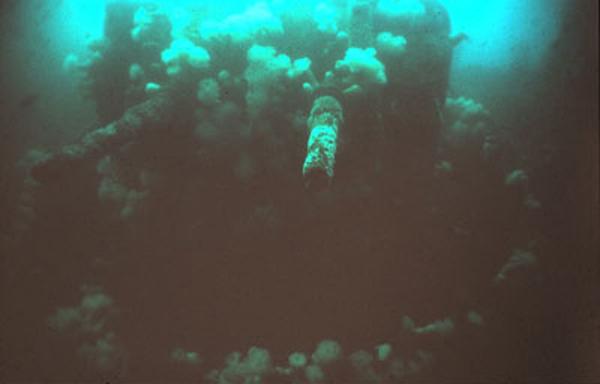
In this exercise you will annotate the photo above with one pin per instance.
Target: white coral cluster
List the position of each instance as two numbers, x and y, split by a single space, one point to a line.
466 121
326 18
264 73
250 369
111 189
257 20
90 316
519 259
267 75
390 45
209 92
360 69
90 321
148 23
182 53
180 355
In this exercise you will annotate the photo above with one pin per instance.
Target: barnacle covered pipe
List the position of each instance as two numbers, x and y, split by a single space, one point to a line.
324 121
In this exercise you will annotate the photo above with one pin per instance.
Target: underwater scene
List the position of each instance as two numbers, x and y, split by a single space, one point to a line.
302 192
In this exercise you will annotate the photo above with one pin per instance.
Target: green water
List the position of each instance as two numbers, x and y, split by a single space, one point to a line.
326 192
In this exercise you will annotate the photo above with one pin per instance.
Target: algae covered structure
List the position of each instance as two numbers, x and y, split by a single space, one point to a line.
269 192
